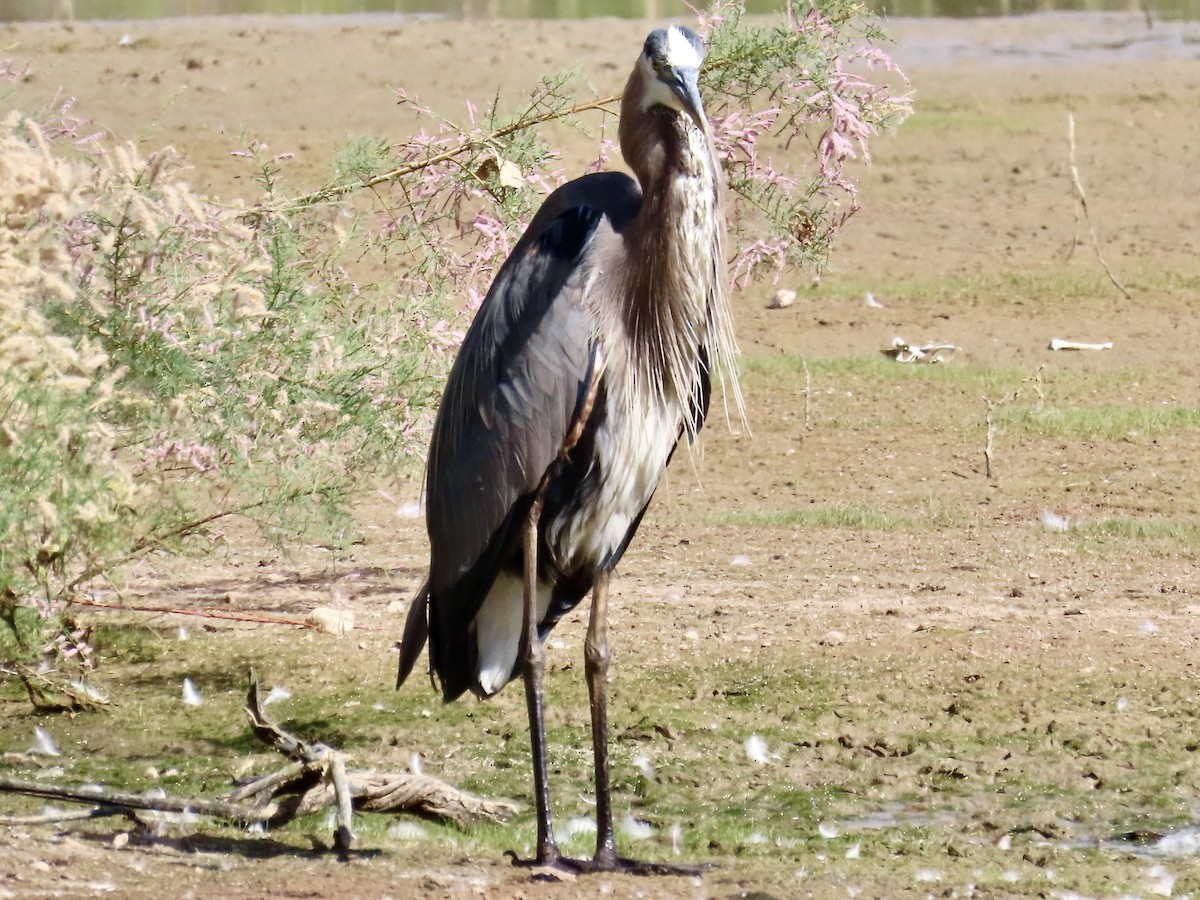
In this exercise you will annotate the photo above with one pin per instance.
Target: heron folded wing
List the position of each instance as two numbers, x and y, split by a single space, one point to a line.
512 396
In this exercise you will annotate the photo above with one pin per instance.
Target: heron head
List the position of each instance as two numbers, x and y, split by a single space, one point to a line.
670 64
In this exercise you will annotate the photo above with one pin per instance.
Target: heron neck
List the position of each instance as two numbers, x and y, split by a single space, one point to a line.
674 294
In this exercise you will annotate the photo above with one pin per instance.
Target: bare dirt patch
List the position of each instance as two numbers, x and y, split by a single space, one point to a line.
959 695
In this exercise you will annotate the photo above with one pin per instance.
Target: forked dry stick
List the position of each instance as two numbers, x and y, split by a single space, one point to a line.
1079 192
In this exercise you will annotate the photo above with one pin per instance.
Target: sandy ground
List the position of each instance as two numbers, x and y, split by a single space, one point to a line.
969 218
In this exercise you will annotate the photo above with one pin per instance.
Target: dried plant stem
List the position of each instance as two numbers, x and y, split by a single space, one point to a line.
1036 380
807 394
50 695
1079 192
989 441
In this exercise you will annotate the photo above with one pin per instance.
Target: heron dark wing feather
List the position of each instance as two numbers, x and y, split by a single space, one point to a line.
512 396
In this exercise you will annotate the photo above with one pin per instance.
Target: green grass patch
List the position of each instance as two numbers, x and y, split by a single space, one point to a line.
850 737
1186 533
1099 422
851 372
1028 290
849 515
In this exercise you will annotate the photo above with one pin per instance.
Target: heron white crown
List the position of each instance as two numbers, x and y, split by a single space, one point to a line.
681 53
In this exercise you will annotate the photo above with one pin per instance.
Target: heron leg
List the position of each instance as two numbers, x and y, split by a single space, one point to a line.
596 670
596 658
534 657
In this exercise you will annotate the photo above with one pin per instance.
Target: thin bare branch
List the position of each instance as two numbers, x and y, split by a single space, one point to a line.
63 815
128 800
1079 192
337 191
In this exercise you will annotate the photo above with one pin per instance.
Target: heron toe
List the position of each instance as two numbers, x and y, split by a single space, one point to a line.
617 864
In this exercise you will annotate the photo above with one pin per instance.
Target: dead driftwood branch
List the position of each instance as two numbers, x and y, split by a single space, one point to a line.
316 778
314 784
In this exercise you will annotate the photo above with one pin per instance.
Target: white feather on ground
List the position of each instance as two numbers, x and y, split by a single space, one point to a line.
276 693
1052 521
756 750
636 829
191 696
43 744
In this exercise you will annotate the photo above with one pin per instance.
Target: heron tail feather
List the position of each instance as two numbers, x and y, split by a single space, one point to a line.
416 633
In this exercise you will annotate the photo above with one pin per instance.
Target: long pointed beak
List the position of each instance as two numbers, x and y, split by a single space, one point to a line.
686 87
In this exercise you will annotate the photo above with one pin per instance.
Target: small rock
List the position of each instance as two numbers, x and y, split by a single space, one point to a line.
332 621
782 299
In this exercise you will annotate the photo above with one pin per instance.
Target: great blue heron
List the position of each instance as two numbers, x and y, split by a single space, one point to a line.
591 357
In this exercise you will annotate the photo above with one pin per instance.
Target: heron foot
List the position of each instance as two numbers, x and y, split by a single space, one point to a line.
617 864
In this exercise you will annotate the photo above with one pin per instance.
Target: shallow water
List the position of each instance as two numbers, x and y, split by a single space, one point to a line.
50 10
1185 842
